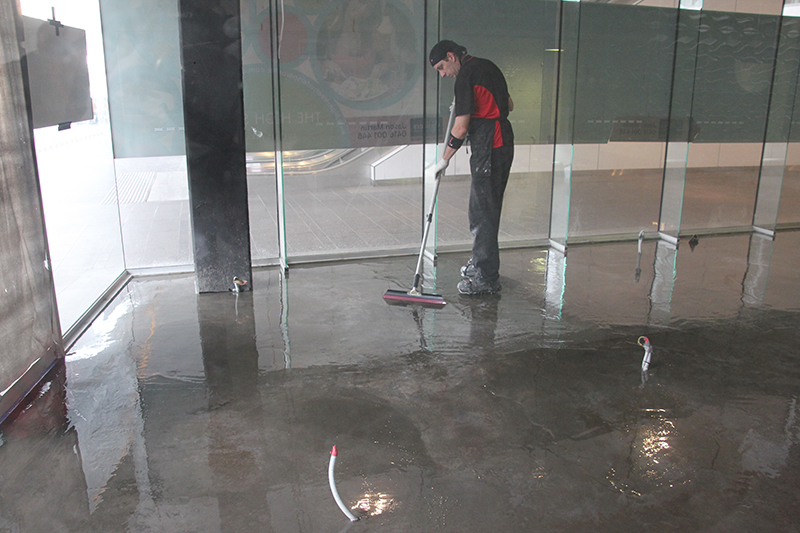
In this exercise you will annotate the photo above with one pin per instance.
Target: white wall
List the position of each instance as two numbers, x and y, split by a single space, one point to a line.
610 156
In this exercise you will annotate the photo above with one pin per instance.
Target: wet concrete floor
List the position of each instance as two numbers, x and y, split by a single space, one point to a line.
524 411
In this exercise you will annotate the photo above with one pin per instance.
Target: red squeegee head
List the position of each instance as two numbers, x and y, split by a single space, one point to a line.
394 297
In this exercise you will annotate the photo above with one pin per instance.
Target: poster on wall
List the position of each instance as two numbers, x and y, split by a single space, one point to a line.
57 72
350 73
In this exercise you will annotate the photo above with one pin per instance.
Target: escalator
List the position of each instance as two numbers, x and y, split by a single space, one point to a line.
305 161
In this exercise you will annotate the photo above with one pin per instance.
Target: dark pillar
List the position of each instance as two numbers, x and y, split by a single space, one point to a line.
213 112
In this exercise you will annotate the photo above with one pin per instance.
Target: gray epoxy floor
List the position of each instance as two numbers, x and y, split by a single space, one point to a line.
526 411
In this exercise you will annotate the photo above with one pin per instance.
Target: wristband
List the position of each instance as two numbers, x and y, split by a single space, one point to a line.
455 143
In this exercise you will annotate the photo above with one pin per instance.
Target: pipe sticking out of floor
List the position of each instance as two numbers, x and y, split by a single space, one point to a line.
648 352
332 482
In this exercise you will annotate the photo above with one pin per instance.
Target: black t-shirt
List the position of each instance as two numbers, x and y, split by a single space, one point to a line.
482 93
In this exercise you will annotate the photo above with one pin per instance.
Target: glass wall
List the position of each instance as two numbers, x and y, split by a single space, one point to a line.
622 103
350 98
733 82
145 96
358 111
342 92
522 38
626 80
779 118
681 129
76 174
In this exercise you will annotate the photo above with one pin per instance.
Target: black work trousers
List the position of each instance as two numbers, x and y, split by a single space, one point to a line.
485 205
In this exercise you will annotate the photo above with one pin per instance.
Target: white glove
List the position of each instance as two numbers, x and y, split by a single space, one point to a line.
440 166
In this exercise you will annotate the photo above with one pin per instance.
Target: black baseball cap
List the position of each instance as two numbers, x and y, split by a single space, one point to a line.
440 49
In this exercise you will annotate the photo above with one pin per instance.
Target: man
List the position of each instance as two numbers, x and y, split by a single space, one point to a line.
481 112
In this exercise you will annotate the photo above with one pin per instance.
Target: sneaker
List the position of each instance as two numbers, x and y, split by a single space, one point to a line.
468 270
475 286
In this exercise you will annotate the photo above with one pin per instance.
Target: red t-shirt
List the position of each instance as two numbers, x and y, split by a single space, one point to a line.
482 93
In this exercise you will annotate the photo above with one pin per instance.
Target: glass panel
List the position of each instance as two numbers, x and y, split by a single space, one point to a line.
562 187
789 210
146 106
76 175
153 195
436 125
625 68
681 130
565 124
521 37
734 71
260 125
773 163
351 101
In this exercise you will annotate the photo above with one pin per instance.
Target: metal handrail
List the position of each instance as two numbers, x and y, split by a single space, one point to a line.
302 161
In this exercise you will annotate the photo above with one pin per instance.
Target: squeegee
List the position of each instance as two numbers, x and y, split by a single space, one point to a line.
415 296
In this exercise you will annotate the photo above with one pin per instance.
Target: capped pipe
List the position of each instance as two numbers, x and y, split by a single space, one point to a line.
332 482
648 352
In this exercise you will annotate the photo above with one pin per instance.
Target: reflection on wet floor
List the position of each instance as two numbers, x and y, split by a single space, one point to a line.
526 410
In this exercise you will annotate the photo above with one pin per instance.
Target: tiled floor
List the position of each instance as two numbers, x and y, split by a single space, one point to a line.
336 212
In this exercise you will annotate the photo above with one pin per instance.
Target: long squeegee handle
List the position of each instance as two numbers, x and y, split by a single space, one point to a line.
429 217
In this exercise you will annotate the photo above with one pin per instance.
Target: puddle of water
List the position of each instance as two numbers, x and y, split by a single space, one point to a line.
224 406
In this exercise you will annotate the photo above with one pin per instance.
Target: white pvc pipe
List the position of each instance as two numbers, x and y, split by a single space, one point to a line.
648 352
332 482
